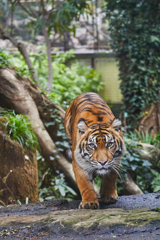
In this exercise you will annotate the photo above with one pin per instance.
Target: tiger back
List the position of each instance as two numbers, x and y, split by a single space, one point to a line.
97 145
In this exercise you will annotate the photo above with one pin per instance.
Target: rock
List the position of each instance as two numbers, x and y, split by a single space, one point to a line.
21 168
132 217
6 44
81 35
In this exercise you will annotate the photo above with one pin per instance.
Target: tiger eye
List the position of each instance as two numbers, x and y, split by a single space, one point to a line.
110 144
91 145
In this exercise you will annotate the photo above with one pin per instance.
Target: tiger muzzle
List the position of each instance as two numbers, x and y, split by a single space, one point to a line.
102 162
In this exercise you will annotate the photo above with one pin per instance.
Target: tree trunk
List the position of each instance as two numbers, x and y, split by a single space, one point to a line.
48 46
129 186
22 49
151 121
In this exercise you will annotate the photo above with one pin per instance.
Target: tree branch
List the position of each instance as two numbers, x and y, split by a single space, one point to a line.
43 8
48 46
22 49
30 13
129 186
147 150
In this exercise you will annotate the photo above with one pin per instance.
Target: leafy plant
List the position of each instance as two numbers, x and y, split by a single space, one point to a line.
143 172
69 81
144 137
156 181
57 188
19 129
156 140
60 187
4 58
11 61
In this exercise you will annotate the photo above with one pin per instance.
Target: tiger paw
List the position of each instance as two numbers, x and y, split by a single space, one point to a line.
89 205
110 199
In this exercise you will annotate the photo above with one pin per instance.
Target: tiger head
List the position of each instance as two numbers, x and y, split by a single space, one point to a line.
99 147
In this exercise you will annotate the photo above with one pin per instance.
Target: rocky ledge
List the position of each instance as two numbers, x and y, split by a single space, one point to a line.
132 217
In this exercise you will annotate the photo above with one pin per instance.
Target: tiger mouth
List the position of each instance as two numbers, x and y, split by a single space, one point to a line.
106 168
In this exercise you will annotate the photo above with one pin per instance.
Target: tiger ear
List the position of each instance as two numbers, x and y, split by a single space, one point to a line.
116 124
82 126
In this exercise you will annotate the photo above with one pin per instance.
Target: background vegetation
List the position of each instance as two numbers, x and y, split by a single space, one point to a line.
135 32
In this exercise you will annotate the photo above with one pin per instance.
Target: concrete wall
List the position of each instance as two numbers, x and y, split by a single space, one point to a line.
108 69
107 66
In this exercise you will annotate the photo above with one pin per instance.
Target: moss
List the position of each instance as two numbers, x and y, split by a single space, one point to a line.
3 120
89 219
68 222
141 217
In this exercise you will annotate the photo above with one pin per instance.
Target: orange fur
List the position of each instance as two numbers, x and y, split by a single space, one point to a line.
97 144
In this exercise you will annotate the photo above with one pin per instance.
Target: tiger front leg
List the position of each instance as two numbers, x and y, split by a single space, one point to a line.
89 198
108 190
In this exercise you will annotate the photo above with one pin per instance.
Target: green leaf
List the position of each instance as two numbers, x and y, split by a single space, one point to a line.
49 124
71 190
62 191
74 30
146 163
133 166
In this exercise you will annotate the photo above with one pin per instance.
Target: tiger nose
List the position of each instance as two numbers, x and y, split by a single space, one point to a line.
102 162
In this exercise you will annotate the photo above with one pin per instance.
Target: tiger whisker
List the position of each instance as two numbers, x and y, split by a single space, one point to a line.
116 168
89 170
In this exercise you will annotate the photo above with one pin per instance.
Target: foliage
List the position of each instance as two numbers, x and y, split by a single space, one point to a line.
60 19
156 181
135 32
68 10
143 172
19 129
70 80
144 137
156 140
136 165
4 58
8 60
55 15
52 187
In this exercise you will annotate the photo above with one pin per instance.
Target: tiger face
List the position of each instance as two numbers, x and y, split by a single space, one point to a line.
99 148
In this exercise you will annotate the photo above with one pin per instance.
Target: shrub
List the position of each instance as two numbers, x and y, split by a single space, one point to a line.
19 129
144 172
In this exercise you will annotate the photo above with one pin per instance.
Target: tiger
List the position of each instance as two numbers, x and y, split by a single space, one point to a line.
96 142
